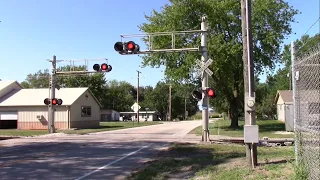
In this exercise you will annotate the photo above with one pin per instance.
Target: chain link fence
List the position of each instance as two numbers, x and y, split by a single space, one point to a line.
306 89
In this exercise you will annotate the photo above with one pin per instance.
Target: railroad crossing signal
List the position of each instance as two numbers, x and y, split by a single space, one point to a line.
127 47
204 67
197 94
103 68
211 92
54 101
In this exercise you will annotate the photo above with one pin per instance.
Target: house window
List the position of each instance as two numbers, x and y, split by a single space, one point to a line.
85 111
314 108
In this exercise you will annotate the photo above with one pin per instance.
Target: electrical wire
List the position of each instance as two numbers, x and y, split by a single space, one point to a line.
306 34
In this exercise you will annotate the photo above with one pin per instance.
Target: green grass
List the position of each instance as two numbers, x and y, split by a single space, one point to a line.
198 116
104 126
17 132
109 126
218 161
267 128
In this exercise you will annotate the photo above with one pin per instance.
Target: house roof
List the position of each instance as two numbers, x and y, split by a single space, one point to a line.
286 96
6 83
35 97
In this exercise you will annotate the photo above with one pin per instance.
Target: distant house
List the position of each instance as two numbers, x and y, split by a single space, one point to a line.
284 101
109 115
143 116
25 109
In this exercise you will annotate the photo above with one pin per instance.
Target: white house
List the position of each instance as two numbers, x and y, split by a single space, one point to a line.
143 116
284 100
25 109
285 109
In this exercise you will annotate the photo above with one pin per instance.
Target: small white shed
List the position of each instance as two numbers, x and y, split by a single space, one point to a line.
285 109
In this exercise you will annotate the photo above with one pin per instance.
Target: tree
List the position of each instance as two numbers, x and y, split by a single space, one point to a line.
180 94
281 80
39 79
271 23
302 45
119 95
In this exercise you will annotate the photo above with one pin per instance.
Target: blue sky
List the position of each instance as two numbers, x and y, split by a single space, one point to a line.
32 31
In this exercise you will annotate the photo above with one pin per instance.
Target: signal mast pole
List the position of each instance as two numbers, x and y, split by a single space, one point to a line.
205 99
52 85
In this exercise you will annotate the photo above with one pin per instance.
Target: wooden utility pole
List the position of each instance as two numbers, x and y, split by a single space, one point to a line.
138 95
248 75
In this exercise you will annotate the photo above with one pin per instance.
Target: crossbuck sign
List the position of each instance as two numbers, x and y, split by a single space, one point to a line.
204 67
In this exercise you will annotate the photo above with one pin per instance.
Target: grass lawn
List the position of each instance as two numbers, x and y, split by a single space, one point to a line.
267 128
109 126
104 126
218 161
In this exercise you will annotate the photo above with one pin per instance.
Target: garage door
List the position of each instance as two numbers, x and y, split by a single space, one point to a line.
8 115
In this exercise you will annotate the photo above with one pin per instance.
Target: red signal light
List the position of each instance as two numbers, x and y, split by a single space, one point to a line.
211 92
131 46
104 67
54 101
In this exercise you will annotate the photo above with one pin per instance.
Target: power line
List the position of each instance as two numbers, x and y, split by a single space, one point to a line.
306 34
312 25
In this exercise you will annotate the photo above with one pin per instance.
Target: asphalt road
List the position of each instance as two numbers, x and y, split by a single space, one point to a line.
104 155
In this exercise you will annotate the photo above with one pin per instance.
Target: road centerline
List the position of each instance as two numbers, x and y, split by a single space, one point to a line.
113 162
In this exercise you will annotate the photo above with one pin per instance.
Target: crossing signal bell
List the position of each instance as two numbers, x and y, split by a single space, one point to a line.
127 47
54 101
102 68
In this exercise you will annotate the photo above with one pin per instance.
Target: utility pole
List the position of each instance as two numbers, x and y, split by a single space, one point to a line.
248 75
169 102
138 95
185 108
52 87
205 99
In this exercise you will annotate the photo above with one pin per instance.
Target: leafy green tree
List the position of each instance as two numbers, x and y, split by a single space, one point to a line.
119 95
271 23
281 80
145 94
302 45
